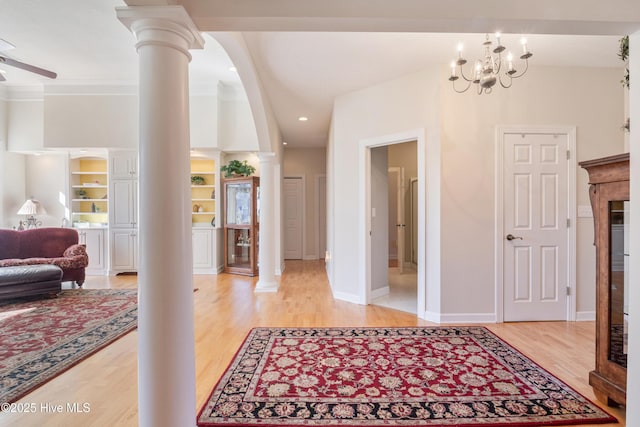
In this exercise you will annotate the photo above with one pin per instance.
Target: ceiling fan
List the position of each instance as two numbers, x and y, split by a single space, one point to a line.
4 59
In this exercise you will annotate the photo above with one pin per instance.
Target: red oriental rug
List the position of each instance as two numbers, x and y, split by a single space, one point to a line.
41 338
445 376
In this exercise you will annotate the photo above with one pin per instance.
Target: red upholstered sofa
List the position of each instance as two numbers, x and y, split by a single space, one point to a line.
57 246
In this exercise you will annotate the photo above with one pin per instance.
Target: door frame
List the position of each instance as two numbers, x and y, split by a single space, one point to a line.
429 173
501 131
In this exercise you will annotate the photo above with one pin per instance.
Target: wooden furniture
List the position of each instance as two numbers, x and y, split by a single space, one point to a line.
241 225
609 194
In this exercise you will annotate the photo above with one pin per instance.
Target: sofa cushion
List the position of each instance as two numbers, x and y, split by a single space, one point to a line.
29 274
47 242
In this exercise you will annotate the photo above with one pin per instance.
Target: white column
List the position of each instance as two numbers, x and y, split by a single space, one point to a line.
633 387
166 355
267 251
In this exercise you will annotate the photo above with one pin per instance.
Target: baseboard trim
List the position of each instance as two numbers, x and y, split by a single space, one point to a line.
377 293
459 318
310 257
343 296
584 316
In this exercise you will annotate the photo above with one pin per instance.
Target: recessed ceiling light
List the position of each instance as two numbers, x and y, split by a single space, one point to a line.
3 72
303 118
284 143
234 69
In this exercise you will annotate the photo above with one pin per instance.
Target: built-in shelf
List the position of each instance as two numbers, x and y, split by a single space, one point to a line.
89 202
203 195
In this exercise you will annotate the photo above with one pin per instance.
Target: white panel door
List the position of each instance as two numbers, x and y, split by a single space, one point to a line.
123 203
535 226
293 218
94 241
124 250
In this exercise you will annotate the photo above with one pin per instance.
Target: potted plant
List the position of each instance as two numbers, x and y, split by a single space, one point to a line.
237 168
197 180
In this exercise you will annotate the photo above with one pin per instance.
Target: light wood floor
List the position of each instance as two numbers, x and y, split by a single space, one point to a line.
226 308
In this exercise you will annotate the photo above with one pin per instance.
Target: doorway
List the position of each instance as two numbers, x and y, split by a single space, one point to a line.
395 284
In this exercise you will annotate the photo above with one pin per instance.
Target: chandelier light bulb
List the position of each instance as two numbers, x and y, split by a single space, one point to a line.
523 41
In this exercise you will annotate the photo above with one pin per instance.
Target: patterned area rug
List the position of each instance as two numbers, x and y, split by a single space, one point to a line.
41 338
444 376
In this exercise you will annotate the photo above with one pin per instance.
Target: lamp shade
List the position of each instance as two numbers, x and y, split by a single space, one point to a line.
32 207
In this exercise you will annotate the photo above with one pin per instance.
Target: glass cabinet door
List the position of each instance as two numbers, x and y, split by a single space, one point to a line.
239 247
619 281
238 209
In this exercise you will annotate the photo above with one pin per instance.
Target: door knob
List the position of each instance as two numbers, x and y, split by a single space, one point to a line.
512 237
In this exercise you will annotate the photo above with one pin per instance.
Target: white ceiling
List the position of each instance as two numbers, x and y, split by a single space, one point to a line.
302 72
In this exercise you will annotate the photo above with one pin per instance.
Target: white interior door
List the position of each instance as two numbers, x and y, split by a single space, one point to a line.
397 224
535 267
293 218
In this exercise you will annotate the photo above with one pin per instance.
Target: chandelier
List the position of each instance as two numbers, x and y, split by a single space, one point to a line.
487 72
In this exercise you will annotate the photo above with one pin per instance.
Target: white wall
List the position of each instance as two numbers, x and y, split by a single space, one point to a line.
47 181
203 119
392 107
309 163
236 130
590 99
91 117
25 124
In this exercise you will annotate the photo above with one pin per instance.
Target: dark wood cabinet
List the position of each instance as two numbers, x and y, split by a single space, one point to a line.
241 211
609 194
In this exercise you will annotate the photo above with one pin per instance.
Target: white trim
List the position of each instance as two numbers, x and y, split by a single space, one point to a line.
460 318
585 316
316 206
377 293
570 131
428 275
347 297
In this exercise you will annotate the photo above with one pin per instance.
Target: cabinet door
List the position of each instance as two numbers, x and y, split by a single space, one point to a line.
95 245
124 199
123 165
124 250
202 249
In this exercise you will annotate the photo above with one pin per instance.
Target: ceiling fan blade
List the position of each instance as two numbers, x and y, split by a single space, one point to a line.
27 67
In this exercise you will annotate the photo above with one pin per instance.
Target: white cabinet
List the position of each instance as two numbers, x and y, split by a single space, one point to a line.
123 165
203 251
123 211
96 246
124 250
124 203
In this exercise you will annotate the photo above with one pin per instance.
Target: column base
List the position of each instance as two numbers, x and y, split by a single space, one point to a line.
264 286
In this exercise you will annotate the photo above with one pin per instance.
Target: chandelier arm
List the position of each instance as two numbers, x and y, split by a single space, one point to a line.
463 76
526 67
502 84
463 90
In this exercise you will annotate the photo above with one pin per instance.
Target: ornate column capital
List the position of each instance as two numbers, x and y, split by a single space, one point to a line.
162 25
